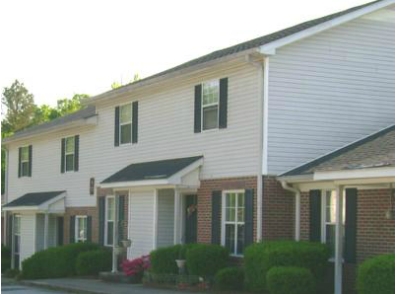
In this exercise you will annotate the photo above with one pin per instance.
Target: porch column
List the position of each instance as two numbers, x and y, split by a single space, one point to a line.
338 266
177 217
45 230
115 235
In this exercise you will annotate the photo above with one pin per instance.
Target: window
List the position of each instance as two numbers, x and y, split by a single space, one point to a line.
233 221
16 239
109 220
210 104
81 228
126 117
329 218
70 154
24 161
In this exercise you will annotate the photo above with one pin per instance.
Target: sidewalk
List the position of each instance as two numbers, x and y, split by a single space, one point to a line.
91 286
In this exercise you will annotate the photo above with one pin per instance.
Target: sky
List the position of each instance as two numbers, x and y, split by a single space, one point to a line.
60 48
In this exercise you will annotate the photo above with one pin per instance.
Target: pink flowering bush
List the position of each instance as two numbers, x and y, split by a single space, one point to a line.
135 268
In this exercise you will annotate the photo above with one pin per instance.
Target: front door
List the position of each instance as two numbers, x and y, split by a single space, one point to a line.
191 218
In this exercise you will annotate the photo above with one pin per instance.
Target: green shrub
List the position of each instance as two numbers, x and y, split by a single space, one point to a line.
55 262
376 275
206 259
230 278
11 273
261 257
93 262
163 260
290 280
5 258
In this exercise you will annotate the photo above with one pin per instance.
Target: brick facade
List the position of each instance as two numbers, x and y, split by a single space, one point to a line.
278 211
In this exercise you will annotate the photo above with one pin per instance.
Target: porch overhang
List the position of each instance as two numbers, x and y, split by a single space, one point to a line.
181 172
39 202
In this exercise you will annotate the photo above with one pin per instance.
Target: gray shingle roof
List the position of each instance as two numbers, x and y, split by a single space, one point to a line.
87 112
377 150
33 199
153 170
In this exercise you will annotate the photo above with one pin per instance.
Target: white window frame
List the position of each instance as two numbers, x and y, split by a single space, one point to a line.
235 223
70 153
106 220
24 161
127 123
77 237
324 223
210 105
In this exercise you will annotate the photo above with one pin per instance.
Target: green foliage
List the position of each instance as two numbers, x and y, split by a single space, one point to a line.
11 273
290 280
93 262
206 259
5 258
163 260
259 258
55 262
230 278
116 85
376 275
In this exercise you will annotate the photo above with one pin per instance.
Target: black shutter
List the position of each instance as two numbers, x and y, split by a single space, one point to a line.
249 208
223 107
117 123
101 218
134 128
9 231
19 162
76 152
72 229
315 215
121 218
350 225
30 160
198 109
63 155
89 228
215 217
60 233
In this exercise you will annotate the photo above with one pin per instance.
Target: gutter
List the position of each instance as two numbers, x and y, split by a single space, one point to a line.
297 208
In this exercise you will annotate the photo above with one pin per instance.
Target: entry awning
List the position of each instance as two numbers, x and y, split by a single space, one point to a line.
163 172
52 201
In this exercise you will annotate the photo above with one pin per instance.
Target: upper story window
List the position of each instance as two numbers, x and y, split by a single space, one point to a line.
210 105
70 154
126 124
81 228
233 226
211 101
25 161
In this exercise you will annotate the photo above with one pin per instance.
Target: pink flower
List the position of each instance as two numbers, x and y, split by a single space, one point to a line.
136 267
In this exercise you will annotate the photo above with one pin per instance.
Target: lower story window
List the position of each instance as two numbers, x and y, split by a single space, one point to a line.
329 219
109 220
234 221
81 228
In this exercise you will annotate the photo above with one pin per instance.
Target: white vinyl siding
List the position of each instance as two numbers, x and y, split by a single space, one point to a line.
165 230
141 223
329 90
28 236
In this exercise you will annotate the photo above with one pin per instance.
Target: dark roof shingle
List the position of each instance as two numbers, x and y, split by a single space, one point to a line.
33 199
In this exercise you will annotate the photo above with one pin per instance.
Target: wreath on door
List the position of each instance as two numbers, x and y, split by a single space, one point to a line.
191 209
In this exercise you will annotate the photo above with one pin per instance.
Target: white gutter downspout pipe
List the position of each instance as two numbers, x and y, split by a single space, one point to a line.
297 208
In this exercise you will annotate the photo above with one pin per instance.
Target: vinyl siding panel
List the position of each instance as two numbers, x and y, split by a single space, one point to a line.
165 222
28 236
330 89
141 223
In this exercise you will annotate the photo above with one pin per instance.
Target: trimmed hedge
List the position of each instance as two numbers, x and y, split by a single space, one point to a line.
55 262
290 280
93 262
377 275
206 259
5 258
163 260
259 258
230 278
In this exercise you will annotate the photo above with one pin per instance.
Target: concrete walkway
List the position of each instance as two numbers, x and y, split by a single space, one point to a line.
92 286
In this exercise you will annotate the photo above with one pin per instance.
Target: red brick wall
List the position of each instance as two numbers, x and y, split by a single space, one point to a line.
204 202
278 211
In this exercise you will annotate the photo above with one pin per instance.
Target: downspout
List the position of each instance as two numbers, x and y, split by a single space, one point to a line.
297 208
260 65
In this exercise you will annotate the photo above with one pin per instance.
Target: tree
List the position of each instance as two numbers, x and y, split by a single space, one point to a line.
20 108
116 85
66 106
